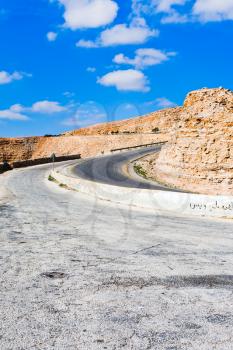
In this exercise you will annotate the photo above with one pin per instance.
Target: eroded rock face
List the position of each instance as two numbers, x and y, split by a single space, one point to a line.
199 157
12 149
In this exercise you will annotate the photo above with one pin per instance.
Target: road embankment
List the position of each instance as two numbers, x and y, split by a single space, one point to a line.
157 200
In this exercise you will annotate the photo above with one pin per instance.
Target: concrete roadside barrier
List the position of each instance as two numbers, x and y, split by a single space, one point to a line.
165 201
40 161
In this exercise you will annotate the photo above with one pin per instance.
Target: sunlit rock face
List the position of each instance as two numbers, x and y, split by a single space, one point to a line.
199 157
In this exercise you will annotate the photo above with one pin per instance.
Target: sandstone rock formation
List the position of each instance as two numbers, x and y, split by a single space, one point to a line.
199 157
12 149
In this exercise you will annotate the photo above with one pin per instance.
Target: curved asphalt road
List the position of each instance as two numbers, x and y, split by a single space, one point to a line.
112 170
81 273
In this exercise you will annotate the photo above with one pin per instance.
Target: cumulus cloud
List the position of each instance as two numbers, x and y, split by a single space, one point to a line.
172 15
47 107
173 11
51 36
7 78
87 44
20 112
156 6
213 10
13 113
157 104
81 14
144 58
167 5
18 108
163 102
126 80
91 69
175 17
137 32
68 94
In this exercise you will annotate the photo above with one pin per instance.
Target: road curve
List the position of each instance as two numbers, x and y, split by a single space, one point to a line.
81 273
112 170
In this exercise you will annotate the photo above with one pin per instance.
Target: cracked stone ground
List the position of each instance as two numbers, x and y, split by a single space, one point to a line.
78 273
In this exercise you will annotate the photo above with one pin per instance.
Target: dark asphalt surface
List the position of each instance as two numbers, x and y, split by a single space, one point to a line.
109 170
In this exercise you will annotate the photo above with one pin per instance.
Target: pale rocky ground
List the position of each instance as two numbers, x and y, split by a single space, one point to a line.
80 273
199 154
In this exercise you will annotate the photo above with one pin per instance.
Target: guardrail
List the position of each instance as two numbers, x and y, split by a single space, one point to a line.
139 146
38 161
4 167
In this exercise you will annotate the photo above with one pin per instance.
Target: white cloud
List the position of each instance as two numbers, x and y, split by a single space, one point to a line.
137 32
87 44
17 111
126 80
87 114
68 94
81 14
13 114
51 36
144 58
47 107
91 69
213 10
167 5
203 10
6 78
175 17
18 108
139 7
157 104
172 14
163 102
155 6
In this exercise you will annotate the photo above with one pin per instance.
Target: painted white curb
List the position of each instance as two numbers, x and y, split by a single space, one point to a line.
175 202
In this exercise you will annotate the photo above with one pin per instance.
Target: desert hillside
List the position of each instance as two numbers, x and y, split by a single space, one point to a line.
156 122
199 155
94 140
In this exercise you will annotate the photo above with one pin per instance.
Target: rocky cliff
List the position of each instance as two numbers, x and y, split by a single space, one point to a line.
199 157
12 149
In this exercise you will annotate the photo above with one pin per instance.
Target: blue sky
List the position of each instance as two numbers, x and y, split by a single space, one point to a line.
65 64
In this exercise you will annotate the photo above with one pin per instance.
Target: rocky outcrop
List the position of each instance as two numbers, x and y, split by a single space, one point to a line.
199 157
12 149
